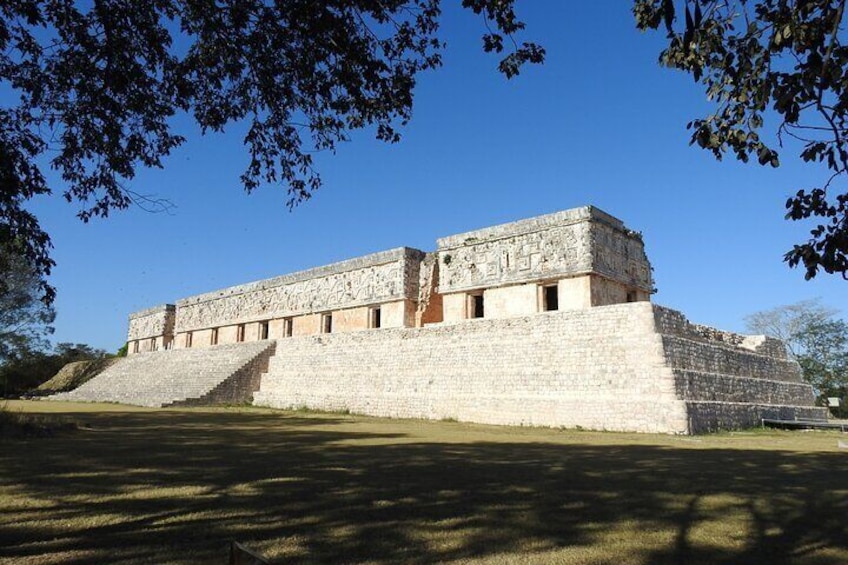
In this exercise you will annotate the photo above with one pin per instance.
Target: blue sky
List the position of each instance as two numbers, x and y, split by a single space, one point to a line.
599 123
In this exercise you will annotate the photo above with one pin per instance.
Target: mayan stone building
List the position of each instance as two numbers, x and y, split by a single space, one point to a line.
545 321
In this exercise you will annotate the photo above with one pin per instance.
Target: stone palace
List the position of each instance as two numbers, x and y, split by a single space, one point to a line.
541 322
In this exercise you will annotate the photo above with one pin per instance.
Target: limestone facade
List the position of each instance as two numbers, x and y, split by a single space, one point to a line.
378 290
151 329
572 259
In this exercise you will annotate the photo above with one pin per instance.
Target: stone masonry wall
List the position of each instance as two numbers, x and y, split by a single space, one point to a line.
600 368
153 322
378 278
695 355
606 368
564 244
713 387
672 322
713 416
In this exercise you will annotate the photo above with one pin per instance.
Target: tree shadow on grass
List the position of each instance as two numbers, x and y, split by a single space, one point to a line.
175 486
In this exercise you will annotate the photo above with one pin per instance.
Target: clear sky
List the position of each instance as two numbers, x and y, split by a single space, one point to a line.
599 123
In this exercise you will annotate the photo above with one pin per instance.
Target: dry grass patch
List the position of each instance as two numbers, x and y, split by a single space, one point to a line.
17 423
173 486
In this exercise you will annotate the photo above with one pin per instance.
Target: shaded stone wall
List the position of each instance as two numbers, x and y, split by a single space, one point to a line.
672 322
730 380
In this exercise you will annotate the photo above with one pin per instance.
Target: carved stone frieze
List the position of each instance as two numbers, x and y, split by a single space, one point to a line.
354 283
579 241
153 322
620 255
535 255
554 246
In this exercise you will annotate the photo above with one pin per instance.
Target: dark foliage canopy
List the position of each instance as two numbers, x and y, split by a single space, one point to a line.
97 83
758 58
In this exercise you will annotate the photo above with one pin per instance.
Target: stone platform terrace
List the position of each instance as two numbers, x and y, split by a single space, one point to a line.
626 367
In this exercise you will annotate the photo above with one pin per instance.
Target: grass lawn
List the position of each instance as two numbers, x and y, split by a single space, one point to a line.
174 486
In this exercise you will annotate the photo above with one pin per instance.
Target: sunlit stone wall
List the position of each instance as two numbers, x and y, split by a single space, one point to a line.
387 276
591 256
151 329
605 368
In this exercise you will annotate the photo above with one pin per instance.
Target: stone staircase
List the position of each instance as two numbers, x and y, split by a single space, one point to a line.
191 377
